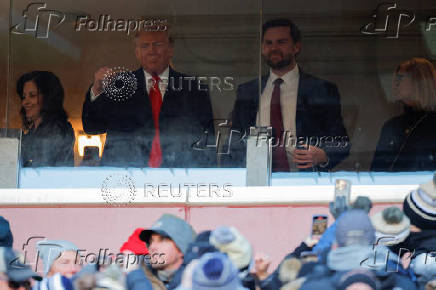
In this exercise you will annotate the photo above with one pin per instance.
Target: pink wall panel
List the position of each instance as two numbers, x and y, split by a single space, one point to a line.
273 230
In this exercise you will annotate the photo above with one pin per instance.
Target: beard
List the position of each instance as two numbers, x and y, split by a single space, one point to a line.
286 60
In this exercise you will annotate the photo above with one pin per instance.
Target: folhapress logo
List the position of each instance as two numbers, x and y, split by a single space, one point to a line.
32 24
388 21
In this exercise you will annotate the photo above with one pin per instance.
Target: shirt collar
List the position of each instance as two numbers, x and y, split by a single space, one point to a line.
287 77
164 75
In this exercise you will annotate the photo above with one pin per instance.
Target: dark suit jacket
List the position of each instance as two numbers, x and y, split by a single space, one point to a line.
51 144
318 115
402 149
185 113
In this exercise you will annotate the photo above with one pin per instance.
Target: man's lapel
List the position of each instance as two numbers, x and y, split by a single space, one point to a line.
141 86
173 79
303 84
256 90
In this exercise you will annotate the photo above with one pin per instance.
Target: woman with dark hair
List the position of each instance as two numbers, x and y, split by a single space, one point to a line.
408 142
48 138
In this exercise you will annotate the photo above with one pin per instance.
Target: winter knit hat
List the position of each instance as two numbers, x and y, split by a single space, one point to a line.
289 269
216 271
354 228
174 228
228 240
6 238
358 276
199 247
420 206
134 244
362 202
391 226
51 250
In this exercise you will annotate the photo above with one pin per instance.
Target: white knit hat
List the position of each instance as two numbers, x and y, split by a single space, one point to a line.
228 240
391 226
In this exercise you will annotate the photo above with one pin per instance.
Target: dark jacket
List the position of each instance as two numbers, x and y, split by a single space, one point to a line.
385 265
185 113
407 143
273 281
318 116
417 243
51 144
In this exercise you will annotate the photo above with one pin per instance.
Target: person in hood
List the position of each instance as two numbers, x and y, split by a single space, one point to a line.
357 249
167 241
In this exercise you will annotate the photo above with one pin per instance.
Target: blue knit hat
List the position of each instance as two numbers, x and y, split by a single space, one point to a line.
216 271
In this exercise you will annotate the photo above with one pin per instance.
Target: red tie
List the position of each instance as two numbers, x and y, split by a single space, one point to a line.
279 158
156 102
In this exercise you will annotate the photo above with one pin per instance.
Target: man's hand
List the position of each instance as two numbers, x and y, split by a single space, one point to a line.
97 86
307 158
311 241
261 264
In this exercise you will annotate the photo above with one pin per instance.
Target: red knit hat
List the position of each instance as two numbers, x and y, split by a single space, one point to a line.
134 244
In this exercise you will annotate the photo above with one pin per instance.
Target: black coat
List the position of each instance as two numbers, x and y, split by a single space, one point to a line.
51 144
402 148
417 243
318 116
185 113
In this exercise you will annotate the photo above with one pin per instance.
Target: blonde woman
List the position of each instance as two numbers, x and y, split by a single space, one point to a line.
408 142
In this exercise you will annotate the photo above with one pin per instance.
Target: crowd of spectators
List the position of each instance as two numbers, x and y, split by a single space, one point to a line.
392 249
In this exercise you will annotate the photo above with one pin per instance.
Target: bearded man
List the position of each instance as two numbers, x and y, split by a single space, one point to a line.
304 111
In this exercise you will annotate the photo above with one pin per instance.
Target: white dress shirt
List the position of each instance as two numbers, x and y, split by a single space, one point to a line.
288 103
163 84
